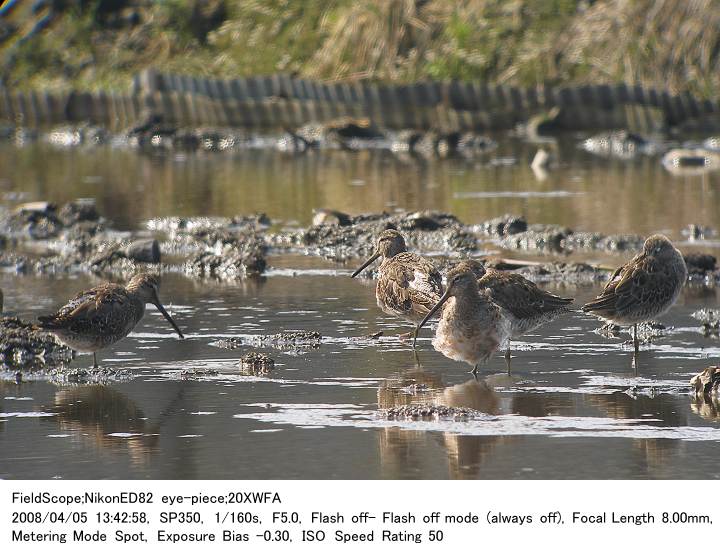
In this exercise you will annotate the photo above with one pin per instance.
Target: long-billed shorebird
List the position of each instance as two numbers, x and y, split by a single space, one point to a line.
471 326
642 289
527 306
408 285
99 317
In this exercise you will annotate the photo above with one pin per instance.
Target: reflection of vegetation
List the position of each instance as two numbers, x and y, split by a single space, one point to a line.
102 42
655 453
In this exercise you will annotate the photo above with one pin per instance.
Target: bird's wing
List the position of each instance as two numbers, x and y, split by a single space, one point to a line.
643 280
96 305
411 283
520 296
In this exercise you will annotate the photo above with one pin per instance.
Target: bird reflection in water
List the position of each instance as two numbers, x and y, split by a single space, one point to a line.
403 451
94 412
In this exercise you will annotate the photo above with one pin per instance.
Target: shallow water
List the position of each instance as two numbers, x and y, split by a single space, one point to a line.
573 407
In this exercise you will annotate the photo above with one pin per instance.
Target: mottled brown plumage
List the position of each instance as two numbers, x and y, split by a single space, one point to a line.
408 285
527 305
99 317
644 288
471 325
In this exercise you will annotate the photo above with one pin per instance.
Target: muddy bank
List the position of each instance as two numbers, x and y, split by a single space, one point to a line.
46 239
23 344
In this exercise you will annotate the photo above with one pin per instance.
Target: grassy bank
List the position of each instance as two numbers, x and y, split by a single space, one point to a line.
103 43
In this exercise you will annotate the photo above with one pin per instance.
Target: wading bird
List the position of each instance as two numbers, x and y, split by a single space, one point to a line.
526 306
99 317
471 325
408 285
642 289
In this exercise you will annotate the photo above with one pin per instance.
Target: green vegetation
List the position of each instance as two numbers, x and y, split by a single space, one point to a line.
103 43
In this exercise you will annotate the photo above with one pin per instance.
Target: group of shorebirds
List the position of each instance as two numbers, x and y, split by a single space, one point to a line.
482 309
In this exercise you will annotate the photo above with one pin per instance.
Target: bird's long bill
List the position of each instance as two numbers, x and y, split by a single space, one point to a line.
168 317
442 300
367 263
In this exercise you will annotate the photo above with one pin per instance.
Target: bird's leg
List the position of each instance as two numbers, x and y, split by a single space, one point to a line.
507 365
474 371
95 365
636 342
416 357
507 351
415 333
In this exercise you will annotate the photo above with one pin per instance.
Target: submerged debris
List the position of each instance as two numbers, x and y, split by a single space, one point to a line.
190 374
256 363
304 339
88 376
427 412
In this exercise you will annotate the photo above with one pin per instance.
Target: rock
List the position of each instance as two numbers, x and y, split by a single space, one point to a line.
549 239
81 210
601 242
41 208
231 266
619 144
330 218
428 412
505 225
690 162
144 251
562 272
256 363
233 254
699 263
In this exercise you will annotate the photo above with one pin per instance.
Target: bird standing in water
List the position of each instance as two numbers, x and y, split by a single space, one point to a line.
642 289
526 305
99 317
471 326
408 285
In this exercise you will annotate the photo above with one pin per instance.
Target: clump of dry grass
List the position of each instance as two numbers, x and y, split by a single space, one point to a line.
661 43
665 43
